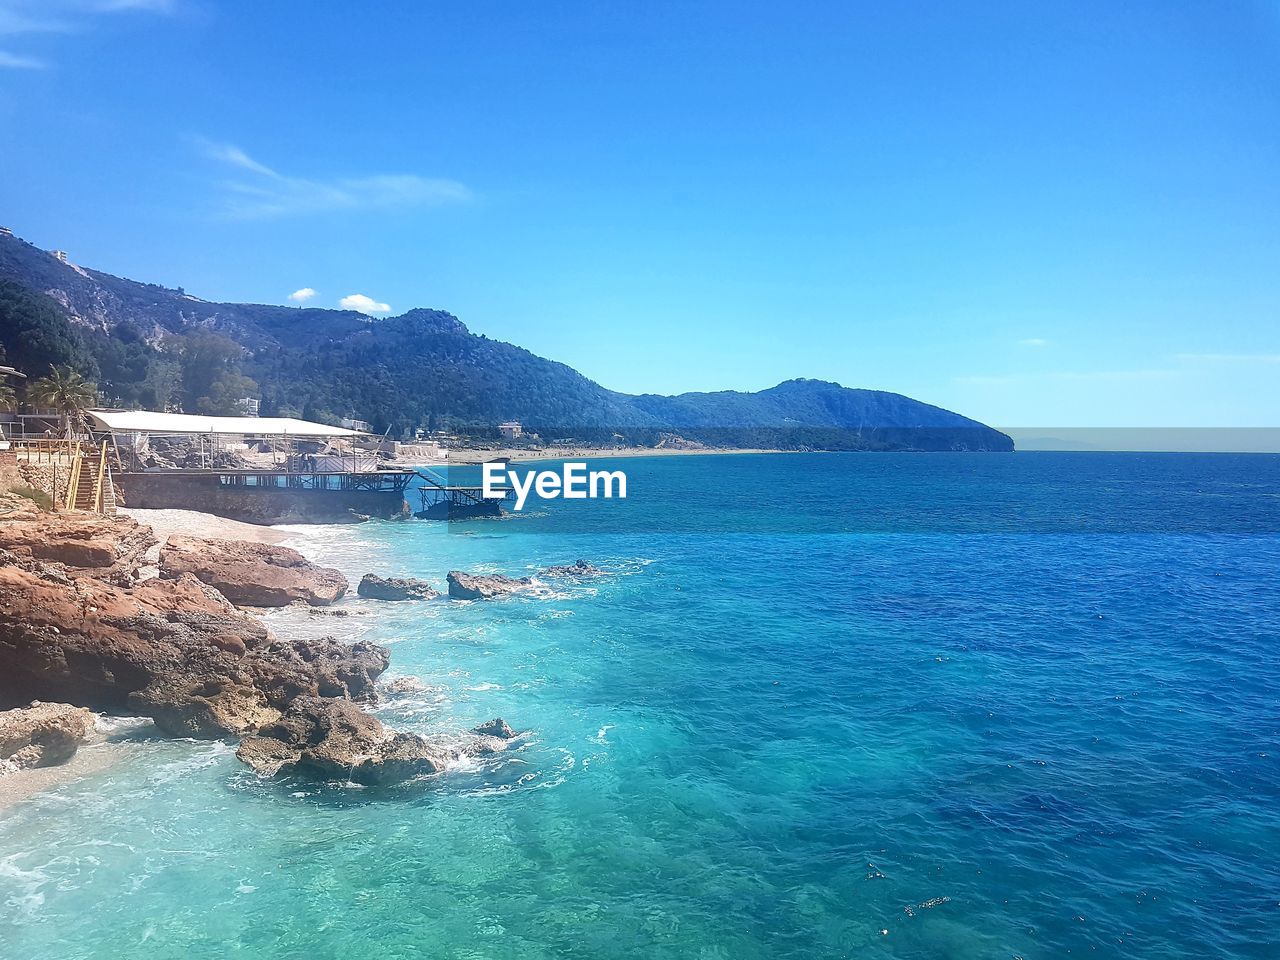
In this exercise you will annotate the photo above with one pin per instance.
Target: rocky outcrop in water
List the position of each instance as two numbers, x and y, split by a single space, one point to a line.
41 735
487 586
578 570
483 586
374 587
336 740
496 727
178 651
173 650
252 574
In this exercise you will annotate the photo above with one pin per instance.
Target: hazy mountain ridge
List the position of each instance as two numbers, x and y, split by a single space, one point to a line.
425 368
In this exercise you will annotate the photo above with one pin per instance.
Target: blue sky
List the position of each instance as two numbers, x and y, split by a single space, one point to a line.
1033 213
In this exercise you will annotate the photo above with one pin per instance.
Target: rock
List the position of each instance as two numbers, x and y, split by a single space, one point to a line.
267 755
86 544
252 574
576 570
173 650
42 734
404 685
337 740
476 586
176 650
495 728
286 669
395 588
207 708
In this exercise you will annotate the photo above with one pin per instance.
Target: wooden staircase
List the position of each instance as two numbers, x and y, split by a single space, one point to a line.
90 487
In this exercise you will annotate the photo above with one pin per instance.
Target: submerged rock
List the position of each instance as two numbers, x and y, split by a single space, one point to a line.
374 587
252 574
478 586
576 570
405 685
42 735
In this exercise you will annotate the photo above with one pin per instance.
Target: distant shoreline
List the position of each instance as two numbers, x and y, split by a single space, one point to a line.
592 453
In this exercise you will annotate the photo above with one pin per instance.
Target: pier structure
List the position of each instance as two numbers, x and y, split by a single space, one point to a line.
444 501
257 469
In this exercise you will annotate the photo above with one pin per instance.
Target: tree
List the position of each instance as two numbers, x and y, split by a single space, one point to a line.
8 399
66 392
204 358
225 394
36 333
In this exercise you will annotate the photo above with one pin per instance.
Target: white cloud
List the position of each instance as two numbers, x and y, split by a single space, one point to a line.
17 62
1033 342
63 16
303 295
358 301
261 192
234 156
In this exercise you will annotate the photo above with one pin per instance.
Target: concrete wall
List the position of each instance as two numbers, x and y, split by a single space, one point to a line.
265 505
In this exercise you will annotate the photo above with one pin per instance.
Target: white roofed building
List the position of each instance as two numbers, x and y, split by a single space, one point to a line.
178 424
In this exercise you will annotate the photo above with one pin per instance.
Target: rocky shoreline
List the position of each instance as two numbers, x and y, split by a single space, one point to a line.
92 619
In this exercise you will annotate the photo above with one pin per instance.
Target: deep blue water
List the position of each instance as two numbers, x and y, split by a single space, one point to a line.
805 718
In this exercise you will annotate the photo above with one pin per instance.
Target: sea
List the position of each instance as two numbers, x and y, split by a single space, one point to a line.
937 706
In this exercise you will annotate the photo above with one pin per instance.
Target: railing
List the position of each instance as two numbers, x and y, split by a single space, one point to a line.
374 481
83 465
99 491
73 481
46 449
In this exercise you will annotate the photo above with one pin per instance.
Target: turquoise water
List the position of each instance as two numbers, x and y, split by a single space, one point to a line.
774 742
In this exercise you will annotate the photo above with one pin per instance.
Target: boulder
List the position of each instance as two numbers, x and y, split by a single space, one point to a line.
252 574
576 570
42 734
374 587
85 544
495 728
336 740
478 586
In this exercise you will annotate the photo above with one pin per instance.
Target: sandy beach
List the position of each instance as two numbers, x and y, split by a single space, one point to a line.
190 523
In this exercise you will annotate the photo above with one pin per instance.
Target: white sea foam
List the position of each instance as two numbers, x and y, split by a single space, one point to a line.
121 726
28 896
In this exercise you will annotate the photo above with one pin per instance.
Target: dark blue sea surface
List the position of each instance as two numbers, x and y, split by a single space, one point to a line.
881 706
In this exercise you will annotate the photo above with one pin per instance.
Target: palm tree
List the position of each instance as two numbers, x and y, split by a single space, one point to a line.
8 399
67 392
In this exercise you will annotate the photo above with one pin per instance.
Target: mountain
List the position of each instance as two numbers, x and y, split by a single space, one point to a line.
153 346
